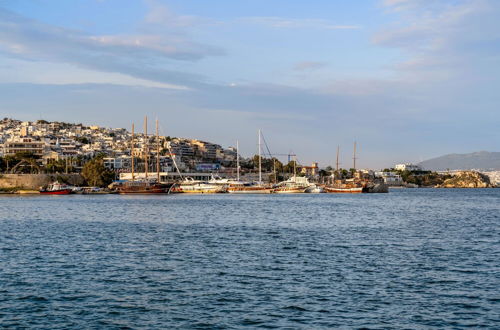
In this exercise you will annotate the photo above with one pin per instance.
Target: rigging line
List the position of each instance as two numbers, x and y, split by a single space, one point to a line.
265 143
171 155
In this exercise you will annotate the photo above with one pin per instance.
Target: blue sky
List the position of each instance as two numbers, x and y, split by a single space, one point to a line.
408 80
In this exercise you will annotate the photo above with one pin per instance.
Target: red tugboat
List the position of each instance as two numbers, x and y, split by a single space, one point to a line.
56 188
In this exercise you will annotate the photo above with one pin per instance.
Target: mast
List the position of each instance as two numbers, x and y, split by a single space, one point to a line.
338 149
260 161
294 166
157 153
132 153
237 160
354 156
146 146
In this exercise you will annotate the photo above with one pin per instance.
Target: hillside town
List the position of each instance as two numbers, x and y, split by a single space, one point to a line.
57 147
53 142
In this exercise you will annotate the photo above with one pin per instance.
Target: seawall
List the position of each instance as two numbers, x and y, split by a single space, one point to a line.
35 181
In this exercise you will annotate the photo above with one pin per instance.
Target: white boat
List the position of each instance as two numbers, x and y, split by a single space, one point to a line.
191 186
294 185
241 187
314 189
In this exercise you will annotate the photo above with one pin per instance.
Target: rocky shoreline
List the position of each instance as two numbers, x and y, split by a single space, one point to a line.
467 179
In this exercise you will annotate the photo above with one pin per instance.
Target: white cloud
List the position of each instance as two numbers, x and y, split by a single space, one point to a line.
17 71
144 56
443 38
296 23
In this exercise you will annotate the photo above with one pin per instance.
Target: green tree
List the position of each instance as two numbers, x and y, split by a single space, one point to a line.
54 166
324 173
289 168
268 164
82 139
96 174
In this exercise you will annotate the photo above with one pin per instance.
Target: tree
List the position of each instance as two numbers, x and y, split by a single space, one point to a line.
82 140
268 164
324 173
96 174
54 166
290 167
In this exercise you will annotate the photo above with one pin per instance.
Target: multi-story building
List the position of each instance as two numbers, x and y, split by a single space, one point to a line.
24 145
407 167
390 178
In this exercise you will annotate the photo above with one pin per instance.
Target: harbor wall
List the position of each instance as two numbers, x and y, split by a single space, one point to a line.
35 181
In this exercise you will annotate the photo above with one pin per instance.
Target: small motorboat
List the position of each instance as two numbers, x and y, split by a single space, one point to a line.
57 188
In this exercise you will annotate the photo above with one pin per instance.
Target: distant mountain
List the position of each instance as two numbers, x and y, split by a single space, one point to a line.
482 160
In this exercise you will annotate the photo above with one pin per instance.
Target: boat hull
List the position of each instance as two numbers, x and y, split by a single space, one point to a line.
250 190
135 188
200 191
56 192
289 190
355 190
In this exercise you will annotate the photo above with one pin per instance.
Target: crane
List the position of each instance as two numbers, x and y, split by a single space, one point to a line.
289 155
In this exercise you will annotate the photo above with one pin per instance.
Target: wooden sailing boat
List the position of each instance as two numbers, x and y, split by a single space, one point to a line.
145 185
345 186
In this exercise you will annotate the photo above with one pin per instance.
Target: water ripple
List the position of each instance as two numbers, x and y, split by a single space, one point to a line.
409 259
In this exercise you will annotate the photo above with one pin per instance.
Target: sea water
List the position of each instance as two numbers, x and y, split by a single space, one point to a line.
413 258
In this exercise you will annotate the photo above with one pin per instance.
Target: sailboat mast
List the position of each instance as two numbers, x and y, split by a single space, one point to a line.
132 153
146 146
260 161
337 167
157 153
354 156
237 160
294 166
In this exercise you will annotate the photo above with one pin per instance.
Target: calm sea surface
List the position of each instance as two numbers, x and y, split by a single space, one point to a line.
414 258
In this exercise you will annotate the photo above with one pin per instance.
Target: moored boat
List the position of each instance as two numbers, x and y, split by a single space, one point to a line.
57 188
294 185
191 186
348 186
248 188
142 187
345 190
314 189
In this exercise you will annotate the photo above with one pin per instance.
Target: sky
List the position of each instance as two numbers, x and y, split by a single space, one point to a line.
408 80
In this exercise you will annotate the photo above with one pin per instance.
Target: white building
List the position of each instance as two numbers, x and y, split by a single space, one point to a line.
407 167
390 178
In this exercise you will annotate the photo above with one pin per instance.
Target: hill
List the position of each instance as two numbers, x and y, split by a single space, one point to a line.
482 160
